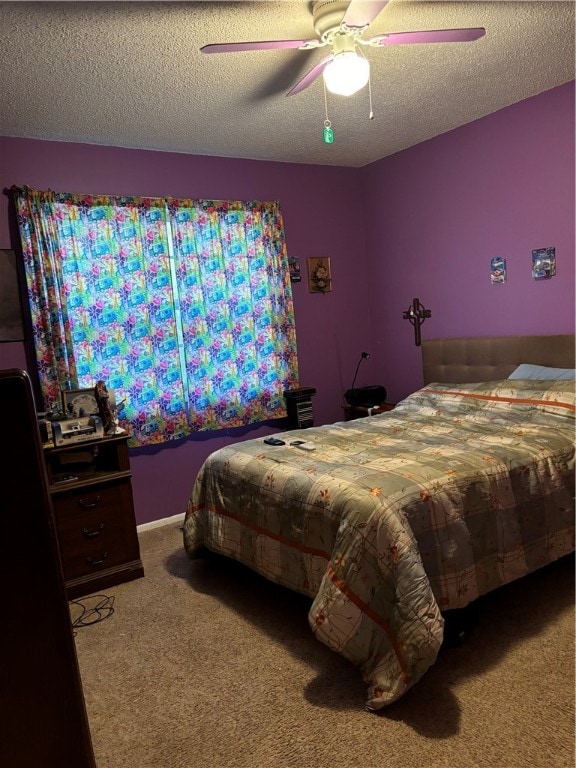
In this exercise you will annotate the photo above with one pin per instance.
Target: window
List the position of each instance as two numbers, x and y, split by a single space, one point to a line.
183 307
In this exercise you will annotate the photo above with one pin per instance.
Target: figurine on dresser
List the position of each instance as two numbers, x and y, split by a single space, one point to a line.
107 409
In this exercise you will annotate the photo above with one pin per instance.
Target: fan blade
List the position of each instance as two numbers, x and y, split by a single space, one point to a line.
262 45
360 13
310 76
430 36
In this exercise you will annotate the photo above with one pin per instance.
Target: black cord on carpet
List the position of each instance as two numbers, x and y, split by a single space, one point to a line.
92 610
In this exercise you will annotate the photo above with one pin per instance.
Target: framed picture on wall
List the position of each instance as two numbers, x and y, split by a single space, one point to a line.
497 270
11 325
543 263
319 276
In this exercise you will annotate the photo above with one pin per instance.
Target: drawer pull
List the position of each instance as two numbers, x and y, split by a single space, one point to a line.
89 504
95 532
94 563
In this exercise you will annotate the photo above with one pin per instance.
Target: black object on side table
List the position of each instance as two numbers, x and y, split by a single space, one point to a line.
352 412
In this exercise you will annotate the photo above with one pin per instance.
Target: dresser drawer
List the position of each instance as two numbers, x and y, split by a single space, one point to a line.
96 529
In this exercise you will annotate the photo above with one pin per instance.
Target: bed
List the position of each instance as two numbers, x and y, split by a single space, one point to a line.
397 518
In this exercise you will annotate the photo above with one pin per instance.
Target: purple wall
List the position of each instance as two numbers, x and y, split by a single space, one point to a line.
321 207
438 212
424 223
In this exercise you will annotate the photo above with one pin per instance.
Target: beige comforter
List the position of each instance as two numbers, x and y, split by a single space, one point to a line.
395 518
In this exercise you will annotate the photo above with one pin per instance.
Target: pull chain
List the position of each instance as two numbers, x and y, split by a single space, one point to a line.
371 113
328 134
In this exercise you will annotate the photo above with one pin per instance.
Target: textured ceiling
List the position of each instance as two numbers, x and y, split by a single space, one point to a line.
131 74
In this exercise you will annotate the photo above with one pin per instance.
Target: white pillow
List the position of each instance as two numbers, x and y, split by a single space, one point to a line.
541 372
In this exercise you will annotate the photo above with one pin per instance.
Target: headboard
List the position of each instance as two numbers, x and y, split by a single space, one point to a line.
486 358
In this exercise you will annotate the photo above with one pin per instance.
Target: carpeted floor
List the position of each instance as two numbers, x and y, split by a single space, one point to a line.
203 663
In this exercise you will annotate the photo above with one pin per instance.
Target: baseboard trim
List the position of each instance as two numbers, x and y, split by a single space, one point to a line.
160 523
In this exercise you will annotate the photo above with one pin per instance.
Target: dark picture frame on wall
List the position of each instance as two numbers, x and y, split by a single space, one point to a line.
11 322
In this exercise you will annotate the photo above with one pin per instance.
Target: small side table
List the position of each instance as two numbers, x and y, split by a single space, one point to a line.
352 412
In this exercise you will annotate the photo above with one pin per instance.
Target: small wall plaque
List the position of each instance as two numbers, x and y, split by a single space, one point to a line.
543 263
319 277
497 270
294 267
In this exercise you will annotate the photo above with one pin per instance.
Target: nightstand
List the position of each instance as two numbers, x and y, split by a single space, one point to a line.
91 489
352 412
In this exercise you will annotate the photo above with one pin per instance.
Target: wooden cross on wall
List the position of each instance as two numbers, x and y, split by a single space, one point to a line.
416 314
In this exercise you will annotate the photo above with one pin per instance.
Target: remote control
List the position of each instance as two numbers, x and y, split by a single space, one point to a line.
304 446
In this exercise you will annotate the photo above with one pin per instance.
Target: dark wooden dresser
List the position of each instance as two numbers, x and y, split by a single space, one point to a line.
91 489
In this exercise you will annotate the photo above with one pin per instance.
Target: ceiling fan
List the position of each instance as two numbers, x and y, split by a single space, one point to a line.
341 25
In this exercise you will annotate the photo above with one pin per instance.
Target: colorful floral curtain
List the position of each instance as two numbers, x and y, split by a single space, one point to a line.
183 307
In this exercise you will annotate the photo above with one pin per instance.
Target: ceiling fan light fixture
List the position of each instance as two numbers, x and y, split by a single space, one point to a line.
347 73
